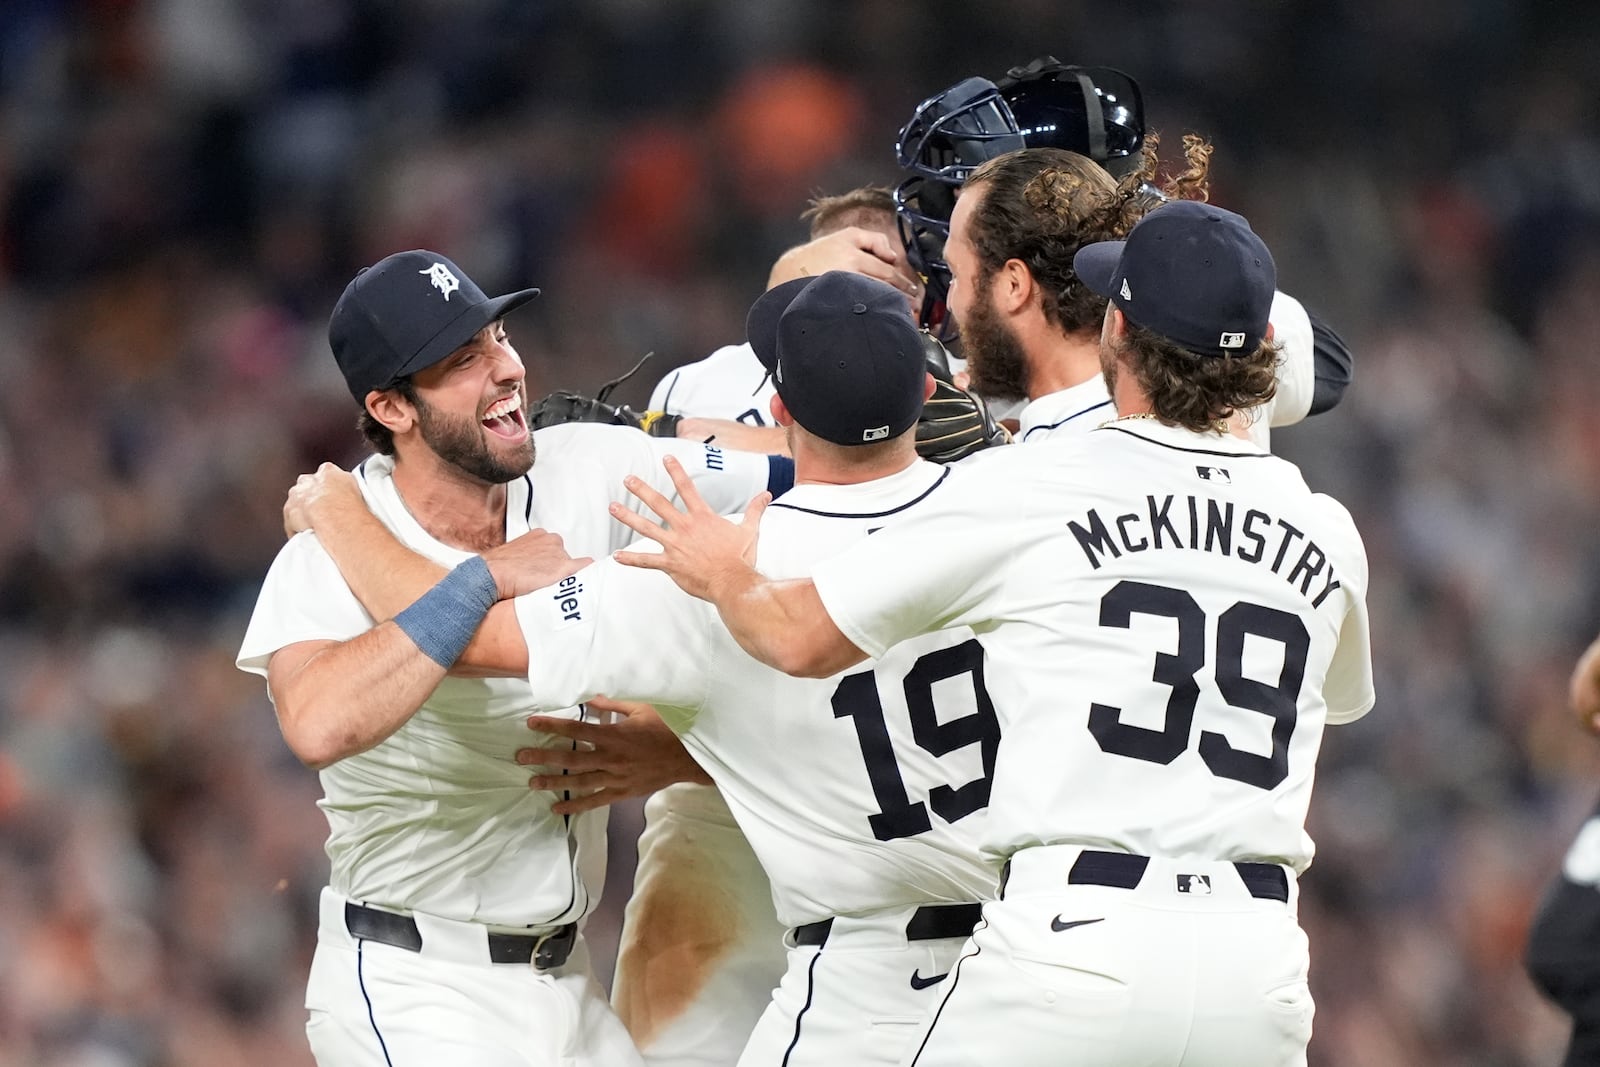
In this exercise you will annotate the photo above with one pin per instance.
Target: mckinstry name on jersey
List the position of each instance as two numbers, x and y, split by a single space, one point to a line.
1204 524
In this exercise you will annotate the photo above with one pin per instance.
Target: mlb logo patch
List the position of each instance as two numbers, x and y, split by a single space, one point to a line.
1214 474
1195 884
1231 340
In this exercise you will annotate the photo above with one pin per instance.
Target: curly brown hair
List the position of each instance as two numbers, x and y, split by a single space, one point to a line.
1198 392
379 436
1040 205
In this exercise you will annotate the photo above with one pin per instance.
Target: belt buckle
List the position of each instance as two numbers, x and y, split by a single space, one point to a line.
545 947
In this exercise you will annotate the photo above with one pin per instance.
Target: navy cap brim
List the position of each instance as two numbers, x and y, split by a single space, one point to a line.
462 328
1096 265
761 324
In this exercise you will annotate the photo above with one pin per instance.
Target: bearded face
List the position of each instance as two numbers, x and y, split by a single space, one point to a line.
994 356
464 444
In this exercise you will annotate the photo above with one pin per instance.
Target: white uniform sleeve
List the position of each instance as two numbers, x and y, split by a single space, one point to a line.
628 633
1297 380
1349 690
728 480
888 587
663 391
304 598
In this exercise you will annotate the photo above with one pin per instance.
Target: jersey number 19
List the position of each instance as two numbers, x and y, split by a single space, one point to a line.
857 699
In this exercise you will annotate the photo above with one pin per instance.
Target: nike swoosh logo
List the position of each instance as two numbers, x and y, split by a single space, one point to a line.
919 982
1057 925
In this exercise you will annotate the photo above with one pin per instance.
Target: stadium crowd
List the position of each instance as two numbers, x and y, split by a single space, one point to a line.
185 184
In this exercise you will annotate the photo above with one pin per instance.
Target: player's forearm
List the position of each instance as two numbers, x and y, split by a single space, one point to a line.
727 433
498 650
784 625
350 696
384 574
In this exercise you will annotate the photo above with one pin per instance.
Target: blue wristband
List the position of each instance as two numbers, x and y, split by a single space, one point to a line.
780 475
442 621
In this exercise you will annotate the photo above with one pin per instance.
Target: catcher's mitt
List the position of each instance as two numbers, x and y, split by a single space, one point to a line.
954 422
563 406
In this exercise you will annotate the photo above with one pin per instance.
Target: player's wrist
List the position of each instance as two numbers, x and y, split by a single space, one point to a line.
442 621
502 572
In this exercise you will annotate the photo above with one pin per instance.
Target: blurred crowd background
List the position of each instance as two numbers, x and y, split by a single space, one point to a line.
186 185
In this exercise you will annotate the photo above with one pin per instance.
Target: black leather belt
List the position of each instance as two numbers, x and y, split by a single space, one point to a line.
1121 870
931 922
545 950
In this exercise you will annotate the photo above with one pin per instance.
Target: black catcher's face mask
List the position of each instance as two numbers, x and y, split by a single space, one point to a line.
1097 112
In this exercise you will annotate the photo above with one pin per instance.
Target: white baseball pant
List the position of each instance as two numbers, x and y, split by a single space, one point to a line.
1123 962
858 986
373 1004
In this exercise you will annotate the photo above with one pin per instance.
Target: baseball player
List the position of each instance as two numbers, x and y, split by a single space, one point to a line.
449 928
1170 618
854 231
1563 949
1030 328
1096 113
701 949
862 795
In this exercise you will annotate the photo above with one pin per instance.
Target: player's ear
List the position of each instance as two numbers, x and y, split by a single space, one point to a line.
780 411
1116 323
1013 286
927 386
1268 335
391 410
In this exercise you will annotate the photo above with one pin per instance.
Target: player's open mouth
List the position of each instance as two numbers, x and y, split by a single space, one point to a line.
504 418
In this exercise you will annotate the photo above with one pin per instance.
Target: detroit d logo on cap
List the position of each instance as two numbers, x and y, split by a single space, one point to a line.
442 279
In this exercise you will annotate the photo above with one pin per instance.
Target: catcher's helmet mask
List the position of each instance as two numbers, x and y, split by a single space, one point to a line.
1097 112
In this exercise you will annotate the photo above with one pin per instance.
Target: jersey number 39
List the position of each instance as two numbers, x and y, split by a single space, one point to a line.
857 699
1280 702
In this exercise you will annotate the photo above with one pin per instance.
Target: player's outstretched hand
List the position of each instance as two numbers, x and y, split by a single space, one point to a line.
313 495
536 559
854 249
631 755
707 555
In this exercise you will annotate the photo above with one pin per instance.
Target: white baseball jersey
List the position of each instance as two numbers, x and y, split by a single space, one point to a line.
701 1012
1086 405
730 383
1170 619
439 818
859 792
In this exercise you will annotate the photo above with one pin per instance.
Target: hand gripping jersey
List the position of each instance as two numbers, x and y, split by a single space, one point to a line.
860 793
1170 620
1086 405
437 823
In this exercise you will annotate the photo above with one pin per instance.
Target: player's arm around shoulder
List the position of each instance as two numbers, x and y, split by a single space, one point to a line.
387 576
338 685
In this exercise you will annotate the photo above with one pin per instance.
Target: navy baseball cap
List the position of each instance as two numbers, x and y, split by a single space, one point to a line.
1193 273
405 313
844 354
